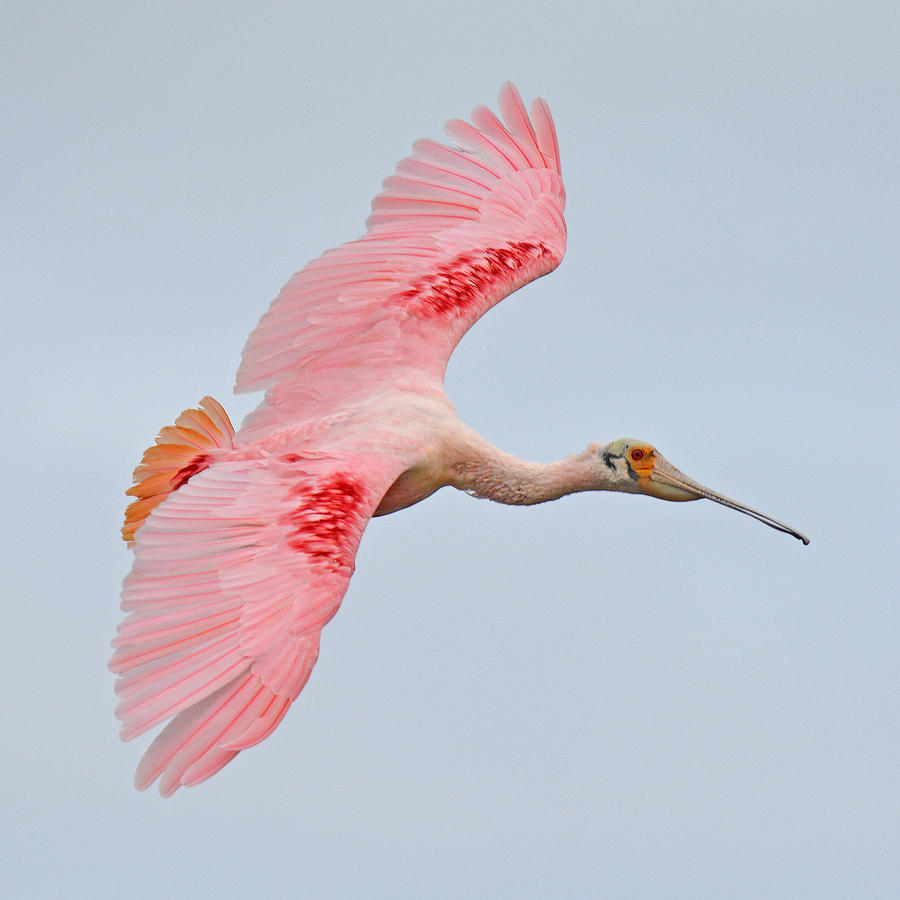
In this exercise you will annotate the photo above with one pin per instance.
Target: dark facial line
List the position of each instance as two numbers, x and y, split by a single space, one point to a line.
608 458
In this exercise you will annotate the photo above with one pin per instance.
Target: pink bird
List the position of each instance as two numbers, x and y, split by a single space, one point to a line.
244 544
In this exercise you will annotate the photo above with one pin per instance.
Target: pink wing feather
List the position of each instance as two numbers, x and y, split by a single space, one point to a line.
241 554
235 575
455 231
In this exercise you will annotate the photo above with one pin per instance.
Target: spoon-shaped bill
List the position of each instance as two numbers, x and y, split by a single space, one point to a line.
683 488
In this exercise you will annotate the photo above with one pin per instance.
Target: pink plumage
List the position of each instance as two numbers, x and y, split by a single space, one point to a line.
359 315
244 545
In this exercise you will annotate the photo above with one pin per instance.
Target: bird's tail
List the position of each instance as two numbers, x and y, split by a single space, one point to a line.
181 451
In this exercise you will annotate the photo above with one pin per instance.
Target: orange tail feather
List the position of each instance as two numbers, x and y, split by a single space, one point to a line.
181 450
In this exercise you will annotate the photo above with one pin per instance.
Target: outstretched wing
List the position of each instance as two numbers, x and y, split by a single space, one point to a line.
235 574
455 231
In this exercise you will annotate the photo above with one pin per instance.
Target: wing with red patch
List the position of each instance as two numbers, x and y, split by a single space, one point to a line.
235 574
455 231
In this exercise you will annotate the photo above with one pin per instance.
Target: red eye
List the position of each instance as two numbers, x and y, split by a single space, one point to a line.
637 454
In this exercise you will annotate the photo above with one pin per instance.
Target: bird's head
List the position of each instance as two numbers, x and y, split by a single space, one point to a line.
639 468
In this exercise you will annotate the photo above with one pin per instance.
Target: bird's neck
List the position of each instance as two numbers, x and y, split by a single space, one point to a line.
499 476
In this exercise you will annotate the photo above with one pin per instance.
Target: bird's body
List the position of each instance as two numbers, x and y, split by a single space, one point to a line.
245 543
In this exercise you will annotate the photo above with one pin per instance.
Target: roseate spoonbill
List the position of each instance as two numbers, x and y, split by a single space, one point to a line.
244 544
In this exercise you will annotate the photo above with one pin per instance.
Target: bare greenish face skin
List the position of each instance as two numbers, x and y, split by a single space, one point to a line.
651 473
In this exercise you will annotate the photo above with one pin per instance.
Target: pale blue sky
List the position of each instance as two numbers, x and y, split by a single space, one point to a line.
606 696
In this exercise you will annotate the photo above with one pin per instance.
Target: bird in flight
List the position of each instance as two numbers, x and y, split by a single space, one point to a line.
244 543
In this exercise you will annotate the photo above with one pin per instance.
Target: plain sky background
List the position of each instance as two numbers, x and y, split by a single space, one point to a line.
608 696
